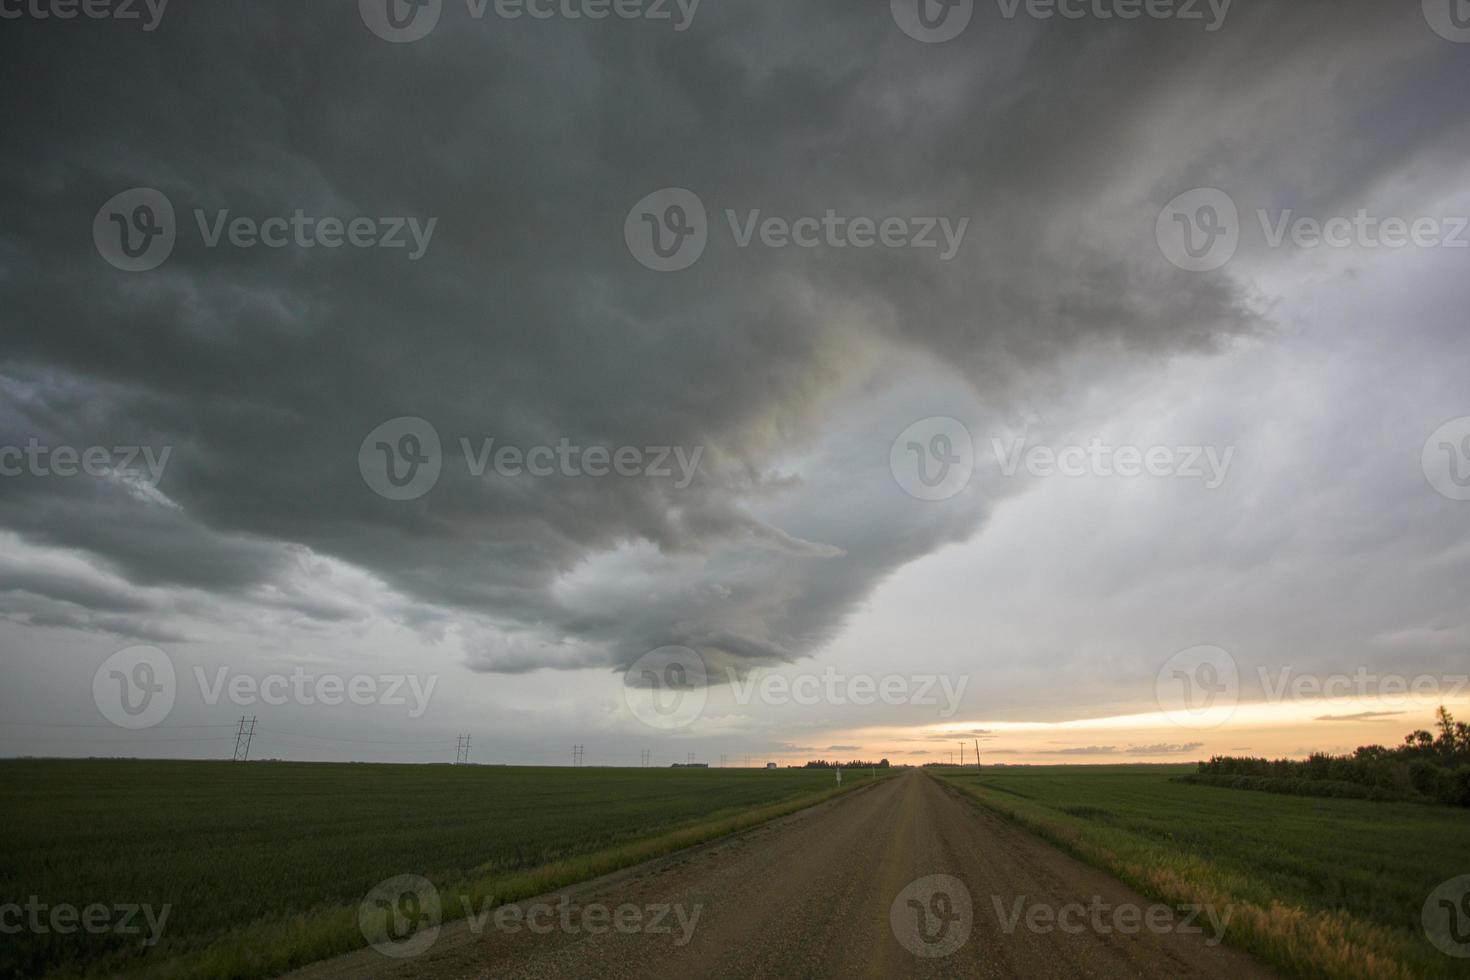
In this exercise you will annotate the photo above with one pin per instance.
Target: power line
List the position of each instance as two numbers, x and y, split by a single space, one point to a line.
419 753
366 741
57 724
182 738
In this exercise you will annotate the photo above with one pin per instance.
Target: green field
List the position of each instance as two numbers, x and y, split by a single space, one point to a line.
1320 887
263 864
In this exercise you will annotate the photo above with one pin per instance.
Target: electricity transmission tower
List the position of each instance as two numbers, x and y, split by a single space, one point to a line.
577 753
644 759
243 737
462 750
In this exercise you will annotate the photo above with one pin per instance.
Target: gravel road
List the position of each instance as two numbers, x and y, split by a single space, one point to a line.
902 879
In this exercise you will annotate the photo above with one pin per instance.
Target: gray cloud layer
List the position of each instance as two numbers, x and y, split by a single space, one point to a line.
528 320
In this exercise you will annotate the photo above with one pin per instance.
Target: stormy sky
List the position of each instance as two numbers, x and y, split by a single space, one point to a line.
278 376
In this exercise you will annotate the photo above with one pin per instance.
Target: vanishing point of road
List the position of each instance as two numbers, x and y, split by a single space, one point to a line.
900 879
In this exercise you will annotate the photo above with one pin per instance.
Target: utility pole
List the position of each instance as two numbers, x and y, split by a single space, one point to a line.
962 755
462 750
242 739
977 753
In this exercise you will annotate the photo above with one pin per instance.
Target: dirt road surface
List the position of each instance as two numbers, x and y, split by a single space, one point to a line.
901 879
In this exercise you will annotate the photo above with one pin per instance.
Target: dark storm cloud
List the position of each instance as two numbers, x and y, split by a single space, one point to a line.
527 320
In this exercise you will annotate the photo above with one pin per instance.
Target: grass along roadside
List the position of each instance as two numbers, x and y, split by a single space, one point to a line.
268 947
1317 888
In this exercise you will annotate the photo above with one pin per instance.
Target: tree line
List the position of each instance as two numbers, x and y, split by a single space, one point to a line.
1427 767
